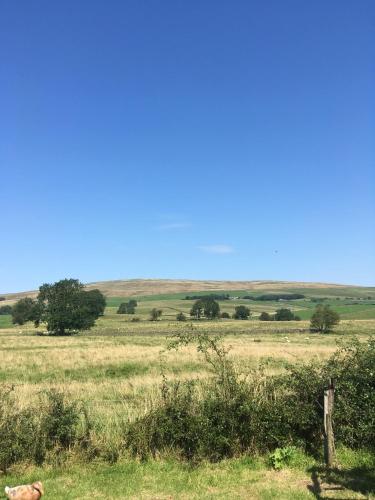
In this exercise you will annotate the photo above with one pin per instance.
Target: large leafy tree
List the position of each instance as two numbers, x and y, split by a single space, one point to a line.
66 307
323 319
241 312
207 307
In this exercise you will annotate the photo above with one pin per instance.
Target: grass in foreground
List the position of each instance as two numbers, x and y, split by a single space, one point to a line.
245 477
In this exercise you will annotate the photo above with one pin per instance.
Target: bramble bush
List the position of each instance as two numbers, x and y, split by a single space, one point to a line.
233 412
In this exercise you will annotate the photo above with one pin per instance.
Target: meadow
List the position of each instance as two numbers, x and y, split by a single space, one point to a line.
116 370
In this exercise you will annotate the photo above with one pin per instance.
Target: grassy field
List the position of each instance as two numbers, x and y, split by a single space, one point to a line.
115 368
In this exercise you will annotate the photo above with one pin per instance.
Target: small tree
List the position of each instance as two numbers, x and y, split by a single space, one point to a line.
284 315
127 307
241 312
265 316
323 319
155 314
5 310
181 317
23 311
197 310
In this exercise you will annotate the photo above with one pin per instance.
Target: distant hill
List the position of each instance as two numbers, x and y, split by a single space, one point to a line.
140 287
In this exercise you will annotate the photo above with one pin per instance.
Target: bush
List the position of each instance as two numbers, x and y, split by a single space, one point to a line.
282 457
155 314
17 430
127 307
265 316
230 414
181 317
225 315
284 315
5 310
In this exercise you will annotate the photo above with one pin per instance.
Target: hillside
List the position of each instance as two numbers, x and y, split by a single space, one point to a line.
143 287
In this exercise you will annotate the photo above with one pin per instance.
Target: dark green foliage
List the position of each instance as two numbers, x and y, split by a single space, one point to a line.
241 312
94 301
5 310
230 414
2 298
24 310
275 296
66 307
155 314
127 307
265 316
17 431
206 307
214 296
197 310
323 319
180 316
284 315
225 315
59 420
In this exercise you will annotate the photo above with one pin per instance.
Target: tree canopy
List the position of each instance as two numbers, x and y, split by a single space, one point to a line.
323 319
127 307
207 307
63 306
241 312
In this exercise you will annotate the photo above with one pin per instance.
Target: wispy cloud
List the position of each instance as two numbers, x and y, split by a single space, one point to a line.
220 249
173 225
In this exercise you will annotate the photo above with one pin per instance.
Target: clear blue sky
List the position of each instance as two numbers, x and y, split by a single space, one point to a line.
187 139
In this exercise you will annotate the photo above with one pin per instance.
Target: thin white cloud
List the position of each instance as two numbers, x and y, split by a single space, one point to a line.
173 225
219 249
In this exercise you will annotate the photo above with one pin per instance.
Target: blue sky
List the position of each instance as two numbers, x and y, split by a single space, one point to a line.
187 139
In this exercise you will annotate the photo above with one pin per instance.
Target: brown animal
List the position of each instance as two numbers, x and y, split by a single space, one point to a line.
25 492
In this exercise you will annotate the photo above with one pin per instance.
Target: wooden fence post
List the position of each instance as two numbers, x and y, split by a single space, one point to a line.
329 439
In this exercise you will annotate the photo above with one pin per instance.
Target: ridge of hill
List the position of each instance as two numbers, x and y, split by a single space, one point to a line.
142 287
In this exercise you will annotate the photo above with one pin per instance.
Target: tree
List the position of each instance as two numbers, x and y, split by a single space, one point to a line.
197 310
95 301
23 311
207 307
241 312
66 307
155 314
323 319
284 315
5 310
211 308
127 307
181 317
265 316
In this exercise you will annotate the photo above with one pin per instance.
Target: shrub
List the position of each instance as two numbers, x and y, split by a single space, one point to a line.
231 414
155 314
17 431
181 317
265 316
225 315
5 310
127 307
282 457
284 315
